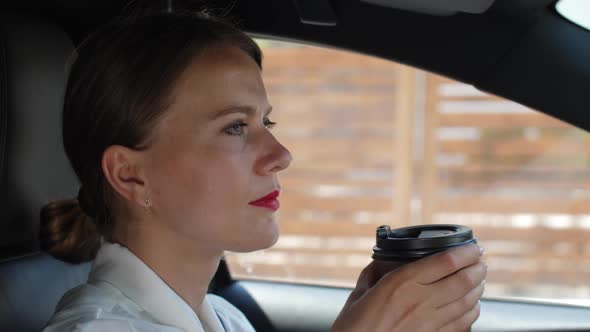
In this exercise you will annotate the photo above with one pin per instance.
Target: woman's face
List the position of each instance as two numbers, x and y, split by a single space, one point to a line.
213 153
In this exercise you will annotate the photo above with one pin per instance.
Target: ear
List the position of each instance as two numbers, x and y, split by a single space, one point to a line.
124 170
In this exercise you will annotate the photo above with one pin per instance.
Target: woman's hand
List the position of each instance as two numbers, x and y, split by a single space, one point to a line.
439 293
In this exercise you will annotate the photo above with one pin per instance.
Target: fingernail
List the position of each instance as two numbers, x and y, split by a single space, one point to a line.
481 251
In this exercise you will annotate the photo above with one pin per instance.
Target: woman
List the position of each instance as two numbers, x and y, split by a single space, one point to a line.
166 124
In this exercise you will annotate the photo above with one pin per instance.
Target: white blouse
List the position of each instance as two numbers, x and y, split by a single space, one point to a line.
124 295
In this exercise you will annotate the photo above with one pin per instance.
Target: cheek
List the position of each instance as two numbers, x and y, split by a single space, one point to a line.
201 190
204 196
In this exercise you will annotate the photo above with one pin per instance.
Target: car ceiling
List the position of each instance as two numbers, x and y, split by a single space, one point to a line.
519 49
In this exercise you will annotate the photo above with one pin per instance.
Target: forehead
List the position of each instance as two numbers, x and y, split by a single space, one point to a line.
220 77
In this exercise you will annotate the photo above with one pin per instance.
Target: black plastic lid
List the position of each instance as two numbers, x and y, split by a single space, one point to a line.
415 242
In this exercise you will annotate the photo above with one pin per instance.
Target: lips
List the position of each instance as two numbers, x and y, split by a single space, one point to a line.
268 201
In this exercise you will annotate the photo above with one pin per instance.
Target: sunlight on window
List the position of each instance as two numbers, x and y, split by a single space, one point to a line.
577 11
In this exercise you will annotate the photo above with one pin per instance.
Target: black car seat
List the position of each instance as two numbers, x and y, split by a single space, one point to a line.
33 168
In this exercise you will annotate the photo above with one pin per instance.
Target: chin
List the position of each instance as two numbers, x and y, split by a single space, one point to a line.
259 241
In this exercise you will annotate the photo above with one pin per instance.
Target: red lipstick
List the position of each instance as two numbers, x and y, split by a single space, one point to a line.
268 201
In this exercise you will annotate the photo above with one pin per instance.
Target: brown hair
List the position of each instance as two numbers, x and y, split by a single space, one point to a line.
118 87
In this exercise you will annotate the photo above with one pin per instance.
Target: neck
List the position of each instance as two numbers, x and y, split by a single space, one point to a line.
182 265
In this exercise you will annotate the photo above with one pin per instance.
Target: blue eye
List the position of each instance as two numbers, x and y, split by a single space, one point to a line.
236 129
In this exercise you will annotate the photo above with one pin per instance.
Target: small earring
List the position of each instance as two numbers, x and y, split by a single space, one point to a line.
148 204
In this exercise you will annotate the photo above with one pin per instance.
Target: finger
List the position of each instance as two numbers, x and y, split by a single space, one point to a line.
455 286
438 266
464 322
458 308
366 275
364 282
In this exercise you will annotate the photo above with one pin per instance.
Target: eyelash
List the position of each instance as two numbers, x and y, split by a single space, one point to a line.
239 125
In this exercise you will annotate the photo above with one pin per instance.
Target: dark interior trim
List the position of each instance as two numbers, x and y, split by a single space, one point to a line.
3 104
519 49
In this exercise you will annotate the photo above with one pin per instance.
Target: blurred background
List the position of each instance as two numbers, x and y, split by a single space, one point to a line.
377 143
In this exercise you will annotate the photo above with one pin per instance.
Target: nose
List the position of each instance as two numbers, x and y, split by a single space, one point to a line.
275 159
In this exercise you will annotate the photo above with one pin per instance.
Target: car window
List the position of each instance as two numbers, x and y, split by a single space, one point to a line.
375 142
577 11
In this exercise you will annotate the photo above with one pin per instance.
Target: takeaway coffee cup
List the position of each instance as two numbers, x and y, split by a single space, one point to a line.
397 247
400 246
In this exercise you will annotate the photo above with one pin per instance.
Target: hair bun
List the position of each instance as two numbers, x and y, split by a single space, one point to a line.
67 233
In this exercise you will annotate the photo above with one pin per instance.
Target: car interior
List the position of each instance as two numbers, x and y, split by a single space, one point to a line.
522 50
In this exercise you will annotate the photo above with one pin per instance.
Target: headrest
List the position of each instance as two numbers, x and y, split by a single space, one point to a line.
33 167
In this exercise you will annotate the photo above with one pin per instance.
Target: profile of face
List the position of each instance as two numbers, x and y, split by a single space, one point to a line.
212 153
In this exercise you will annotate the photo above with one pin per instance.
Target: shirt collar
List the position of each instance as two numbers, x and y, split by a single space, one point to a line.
118 266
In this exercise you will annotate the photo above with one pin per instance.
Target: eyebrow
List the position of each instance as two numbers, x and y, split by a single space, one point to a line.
250 111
